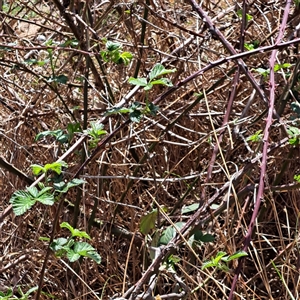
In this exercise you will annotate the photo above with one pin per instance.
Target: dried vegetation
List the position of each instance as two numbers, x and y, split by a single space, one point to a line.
163 161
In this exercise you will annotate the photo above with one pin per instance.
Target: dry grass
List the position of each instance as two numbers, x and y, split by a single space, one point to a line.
177 143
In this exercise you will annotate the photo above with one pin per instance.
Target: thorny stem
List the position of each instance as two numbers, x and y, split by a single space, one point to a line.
265 148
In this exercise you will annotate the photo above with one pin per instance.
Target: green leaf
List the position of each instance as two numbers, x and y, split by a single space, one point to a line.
21 202
75 182
58 244
263 72
170 233
82 248
60 187
190 208
234 256
293 131
204 238
278 67
148 87
148 222
219 257
74 232
63 187
81 234
68 226
138 81
37 169
297 177
60 79
113 46
249 47
44 189
36 62
207 238
173 259
159 70
126 57
58 134
294 141
256 137
240 14
295 106
72 128
56 166
114 111
208 264
162 81
7 295
136 116
136 106
31 290
46 199
33 191
70 43
96 130
72 255
153 109
94 256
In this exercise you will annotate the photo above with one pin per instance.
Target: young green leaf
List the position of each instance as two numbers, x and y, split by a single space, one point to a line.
70 43
138 81
126 57
148 222
31 290
96 130
68 226
23 200
37 169
240 14
74 232
249 47
297 178
56 166
219 256
208 264
234 256
159 70
162 81
294 132
263 72
148 87
278 67
256 137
